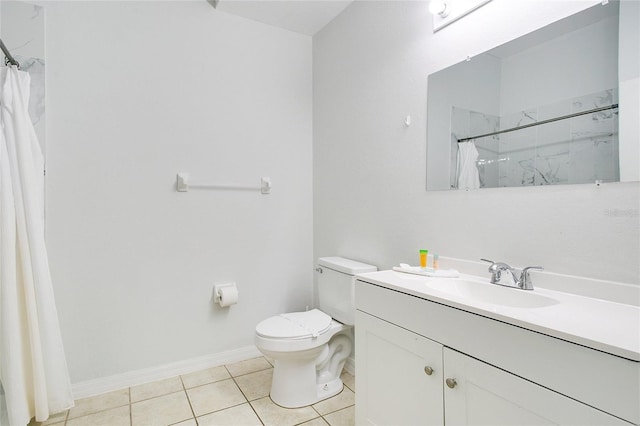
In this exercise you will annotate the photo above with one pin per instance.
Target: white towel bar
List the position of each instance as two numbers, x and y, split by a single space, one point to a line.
183 185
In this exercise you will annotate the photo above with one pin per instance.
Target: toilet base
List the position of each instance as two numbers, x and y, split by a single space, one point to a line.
332 388
298 393
305 377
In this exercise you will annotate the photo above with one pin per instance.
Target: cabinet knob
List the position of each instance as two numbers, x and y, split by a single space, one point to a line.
451 383
428 370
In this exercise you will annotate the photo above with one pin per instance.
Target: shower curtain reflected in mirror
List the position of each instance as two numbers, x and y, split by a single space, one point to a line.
33 369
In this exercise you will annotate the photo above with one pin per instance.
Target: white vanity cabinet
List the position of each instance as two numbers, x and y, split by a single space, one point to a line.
399 375
485 395
481 371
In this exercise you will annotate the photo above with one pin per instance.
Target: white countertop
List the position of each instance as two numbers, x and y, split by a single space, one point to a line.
596 323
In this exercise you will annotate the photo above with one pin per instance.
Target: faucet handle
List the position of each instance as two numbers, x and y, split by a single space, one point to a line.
496 269
495 273
497 266
525 278
492 268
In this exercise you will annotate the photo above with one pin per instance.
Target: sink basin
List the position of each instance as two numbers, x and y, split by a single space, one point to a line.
462 288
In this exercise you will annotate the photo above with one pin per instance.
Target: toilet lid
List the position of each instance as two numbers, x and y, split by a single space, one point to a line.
295 325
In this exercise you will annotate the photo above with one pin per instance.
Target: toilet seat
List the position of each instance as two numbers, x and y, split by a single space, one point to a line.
297 331
296 325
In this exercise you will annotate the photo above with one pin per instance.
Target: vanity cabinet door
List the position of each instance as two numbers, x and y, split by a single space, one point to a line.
485 395
398 375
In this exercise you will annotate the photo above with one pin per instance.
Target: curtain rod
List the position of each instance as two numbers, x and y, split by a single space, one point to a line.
8 58
537 123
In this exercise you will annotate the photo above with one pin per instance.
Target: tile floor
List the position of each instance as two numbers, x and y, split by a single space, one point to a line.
235 394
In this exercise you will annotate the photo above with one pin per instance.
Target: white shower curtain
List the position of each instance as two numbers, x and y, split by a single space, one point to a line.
468 176
33 369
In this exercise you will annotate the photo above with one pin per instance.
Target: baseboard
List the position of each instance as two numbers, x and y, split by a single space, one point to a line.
138 377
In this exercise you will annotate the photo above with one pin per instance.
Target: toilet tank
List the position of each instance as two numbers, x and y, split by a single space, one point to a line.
336 286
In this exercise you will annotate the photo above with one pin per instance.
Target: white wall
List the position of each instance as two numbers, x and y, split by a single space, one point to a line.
138 91
370 71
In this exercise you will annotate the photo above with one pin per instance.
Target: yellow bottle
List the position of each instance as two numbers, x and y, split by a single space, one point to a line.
423 258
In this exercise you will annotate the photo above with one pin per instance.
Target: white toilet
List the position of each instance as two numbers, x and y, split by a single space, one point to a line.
310 348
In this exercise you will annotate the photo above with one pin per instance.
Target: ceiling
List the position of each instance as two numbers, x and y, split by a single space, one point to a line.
301 16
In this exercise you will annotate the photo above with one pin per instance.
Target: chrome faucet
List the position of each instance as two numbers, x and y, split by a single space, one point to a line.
522 282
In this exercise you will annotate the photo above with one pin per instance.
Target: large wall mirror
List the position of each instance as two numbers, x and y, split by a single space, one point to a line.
540 110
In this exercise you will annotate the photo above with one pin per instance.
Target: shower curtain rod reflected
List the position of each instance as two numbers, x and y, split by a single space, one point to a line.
8 58
537 123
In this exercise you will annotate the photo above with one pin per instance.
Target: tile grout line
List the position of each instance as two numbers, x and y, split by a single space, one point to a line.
236 383
319 415
99 410
339 409
186 394
243 394
221 409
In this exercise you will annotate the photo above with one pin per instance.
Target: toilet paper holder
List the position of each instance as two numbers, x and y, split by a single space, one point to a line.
218 289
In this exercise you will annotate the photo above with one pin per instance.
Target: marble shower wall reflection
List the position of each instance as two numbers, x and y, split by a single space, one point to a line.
22 30
577 150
